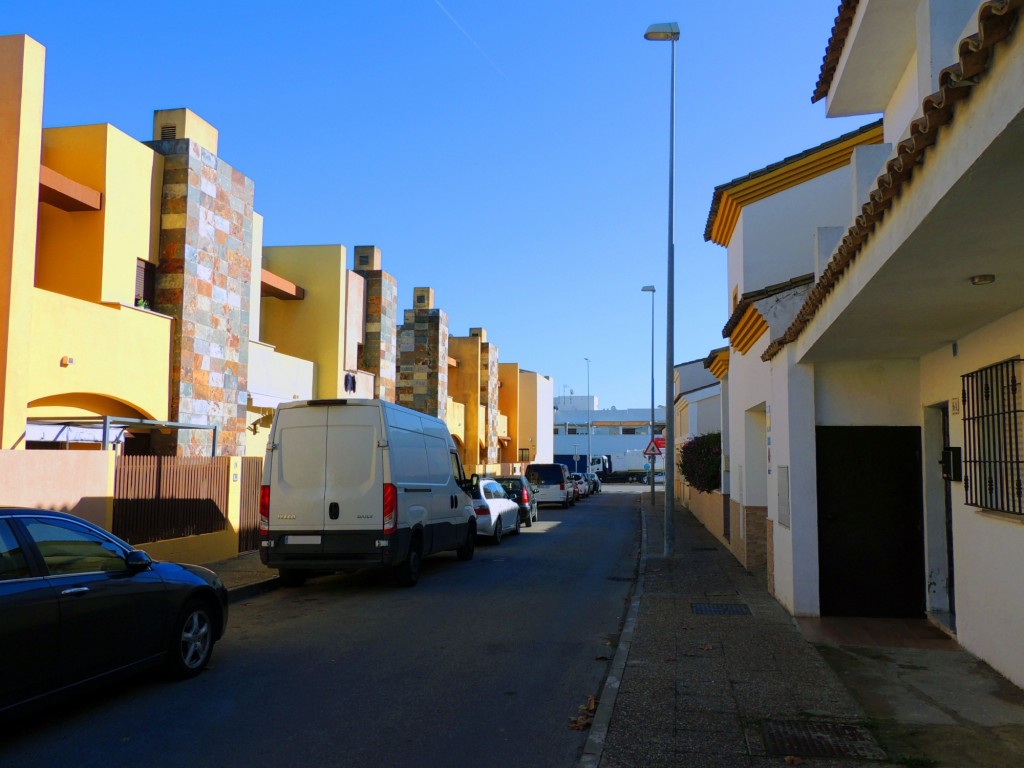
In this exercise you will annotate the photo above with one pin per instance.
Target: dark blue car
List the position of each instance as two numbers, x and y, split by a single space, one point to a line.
78 605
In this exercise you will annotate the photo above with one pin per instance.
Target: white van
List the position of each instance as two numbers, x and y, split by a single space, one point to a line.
351 484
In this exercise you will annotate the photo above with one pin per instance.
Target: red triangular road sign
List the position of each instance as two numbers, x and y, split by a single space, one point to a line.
652 449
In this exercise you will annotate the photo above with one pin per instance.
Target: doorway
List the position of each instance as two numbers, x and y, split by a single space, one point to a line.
870 521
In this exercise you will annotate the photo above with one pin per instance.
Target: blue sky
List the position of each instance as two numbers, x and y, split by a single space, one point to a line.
513 156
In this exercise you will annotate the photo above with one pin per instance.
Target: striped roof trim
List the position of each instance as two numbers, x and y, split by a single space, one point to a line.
730 197
834 49
996 19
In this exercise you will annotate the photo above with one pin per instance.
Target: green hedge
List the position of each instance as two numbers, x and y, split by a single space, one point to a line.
700 461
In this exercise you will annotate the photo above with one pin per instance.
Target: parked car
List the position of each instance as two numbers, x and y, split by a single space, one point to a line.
582 484
595 482
522 493
496 513
79 605
552 483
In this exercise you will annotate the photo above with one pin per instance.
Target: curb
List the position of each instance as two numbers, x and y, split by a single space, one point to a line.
245 591
594 747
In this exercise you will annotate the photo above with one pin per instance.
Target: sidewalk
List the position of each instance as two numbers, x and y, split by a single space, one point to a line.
712 671
245 576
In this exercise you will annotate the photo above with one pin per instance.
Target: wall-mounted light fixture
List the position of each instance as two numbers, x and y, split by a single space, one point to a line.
982 279
66 361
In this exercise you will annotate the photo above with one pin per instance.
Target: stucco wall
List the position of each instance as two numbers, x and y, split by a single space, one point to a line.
78 482
987 546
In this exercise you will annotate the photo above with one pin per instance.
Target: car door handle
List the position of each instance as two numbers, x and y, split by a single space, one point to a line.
75 591
334 510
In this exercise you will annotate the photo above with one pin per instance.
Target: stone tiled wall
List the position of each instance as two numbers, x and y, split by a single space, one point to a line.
423 362
380 341
203 282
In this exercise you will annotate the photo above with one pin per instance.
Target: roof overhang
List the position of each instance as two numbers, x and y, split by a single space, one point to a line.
730 198
899 283
275 286
870 58
66 194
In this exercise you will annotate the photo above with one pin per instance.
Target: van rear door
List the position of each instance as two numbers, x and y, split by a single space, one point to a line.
355 472
298 477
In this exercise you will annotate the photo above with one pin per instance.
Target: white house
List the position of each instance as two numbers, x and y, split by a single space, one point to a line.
895 483
774 222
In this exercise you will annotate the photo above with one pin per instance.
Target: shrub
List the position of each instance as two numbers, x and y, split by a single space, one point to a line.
700 461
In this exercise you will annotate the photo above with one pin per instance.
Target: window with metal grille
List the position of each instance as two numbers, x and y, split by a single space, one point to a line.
993 422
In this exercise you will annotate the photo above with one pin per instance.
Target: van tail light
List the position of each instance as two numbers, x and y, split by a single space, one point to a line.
390 509
561 486
264 511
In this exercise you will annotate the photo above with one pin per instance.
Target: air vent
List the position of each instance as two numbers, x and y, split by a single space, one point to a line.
168 132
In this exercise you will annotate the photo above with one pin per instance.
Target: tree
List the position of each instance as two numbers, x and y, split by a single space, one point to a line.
700 462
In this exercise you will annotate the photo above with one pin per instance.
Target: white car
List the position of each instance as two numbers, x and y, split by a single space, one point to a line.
582 484
496 513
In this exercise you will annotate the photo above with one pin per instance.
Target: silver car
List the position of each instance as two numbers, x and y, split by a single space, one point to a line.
496 513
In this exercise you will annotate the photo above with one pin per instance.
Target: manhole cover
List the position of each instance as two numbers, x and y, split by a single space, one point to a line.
720 609
817 739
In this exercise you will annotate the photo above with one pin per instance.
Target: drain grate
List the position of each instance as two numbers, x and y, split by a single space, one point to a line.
720 609
817 739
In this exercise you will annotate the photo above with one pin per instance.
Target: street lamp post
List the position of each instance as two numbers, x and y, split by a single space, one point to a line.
588 415
670 32
650 289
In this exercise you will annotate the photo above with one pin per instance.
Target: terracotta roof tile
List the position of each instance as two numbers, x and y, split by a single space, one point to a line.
834 49
996 19
751 296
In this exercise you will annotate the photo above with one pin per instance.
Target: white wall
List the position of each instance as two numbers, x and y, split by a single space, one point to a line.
750 389
790 427
777 241
988 547
868 393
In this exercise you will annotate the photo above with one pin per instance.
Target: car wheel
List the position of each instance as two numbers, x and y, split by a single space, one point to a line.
529 518
497 530
536 514
408 572
465 552
518 523
191 642
291 577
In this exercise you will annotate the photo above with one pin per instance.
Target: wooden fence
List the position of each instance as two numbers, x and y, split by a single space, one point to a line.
249 514
167 497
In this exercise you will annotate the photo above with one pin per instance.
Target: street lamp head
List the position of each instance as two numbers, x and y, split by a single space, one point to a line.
648 289
669 31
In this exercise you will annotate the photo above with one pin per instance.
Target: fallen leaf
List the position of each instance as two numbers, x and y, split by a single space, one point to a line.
794 760
707 647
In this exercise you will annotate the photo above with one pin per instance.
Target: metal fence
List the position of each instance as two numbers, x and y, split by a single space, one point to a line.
167 497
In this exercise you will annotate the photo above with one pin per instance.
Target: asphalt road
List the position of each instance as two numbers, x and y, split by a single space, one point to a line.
481 664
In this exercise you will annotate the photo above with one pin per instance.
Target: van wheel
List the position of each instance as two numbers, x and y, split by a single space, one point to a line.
565 503
465 552
497 531
291 577
408 573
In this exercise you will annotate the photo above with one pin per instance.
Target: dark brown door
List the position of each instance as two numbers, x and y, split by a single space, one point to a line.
870 531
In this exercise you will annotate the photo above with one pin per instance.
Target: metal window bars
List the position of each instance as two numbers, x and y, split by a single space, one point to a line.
993 420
